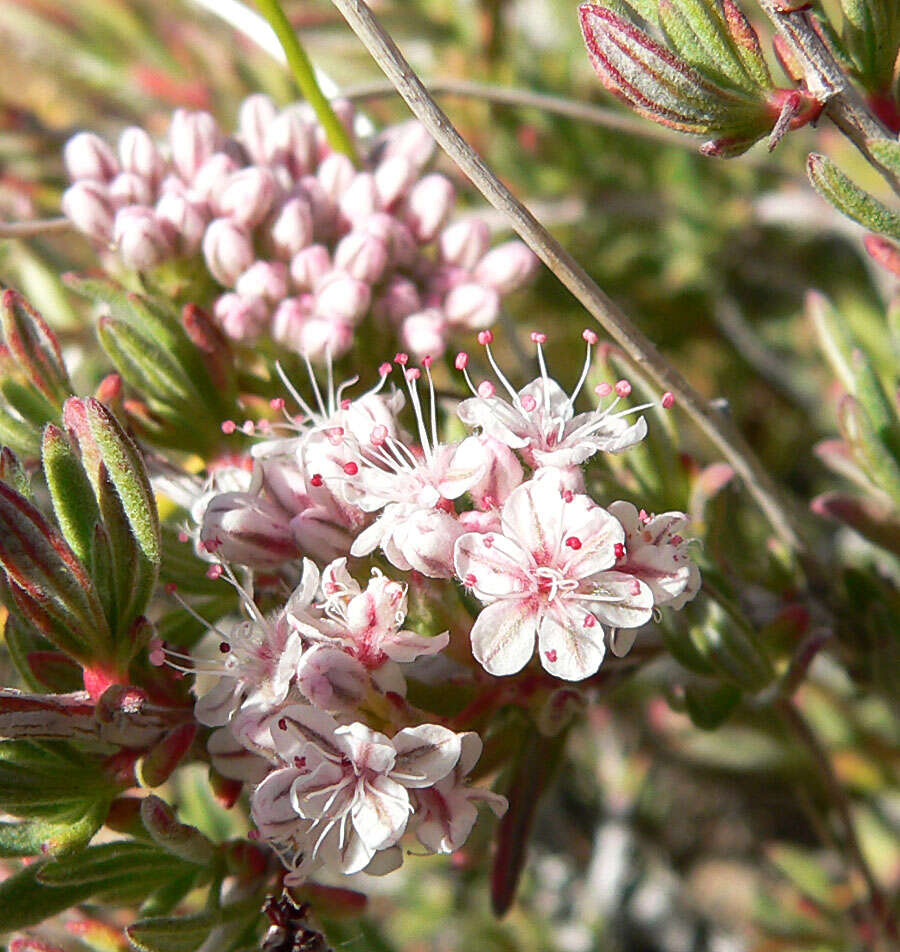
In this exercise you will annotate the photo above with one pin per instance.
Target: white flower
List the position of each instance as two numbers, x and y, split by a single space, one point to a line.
540 418
447 811
349 784
549 575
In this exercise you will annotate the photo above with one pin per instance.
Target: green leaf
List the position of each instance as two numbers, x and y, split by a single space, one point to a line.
709 705
887 151
849 199
101 866
869 448
24 901
66 833
187 933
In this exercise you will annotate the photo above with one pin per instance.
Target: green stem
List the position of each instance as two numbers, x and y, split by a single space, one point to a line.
302 68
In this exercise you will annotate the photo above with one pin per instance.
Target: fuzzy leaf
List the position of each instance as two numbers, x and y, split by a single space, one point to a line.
66 833
869 447
849 199
100 866
887 151
871 34
25 901
184 841
872 519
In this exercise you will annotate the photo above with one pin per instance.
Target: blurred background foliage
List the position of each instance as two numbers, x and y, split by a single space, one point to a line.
658 835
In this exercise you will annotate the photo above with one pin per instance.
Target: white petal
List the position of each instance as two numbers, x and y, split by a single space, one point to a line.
425 754
503 636
216 707
621 640
491 564
470 752
627 602
568 650
405 646
597 533
533 516
380 816
385 861
308 726
344 854
367 749
271 806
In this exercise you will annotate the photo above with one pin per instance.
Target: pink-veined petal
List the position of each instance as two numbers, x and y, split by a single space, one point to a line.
623 601
533 516
491 564
381 813
367 749
406 646
425 754
569 650
503 636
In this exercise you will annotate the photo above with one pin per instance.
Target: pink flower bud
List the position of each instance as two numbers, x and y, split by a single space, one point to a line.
309 267
393 178
228 251
362 256
322 539
87 205
249 530
140 238
324 210
289 318
502 470
248 196
401 246
444 279
360 198
173 185
138 154
399 299
425 333
266 280
292 229
321 337
472 306
193 137
428 206
241 318
127 188
256 115
413 142
213 177
334 175
290 142
341 297
464 242
87 156
186 218
507 267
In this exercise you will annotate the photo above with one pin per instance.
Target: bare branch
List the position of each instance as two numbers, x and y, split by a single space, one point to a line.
717 426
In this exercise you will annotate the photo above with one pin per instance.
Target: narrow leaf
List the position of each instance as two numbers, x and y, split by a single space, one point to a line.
849 199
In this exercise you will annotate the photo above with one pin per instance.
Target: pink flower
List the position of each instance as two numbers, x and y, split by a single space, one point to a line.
549 575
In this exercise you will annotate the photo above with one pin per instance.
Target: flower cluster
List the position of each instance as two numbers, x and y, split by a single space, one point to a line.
304 244
310 703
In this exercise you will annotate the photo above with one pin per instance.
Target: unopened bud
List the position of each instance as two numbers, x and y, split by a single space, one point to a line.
472 306
87 156
343 298
228 251
292 229
267 280
193 137
289 318
425 333
241 318
128 188
393 178
140 238
427 206
399 299
360 198
335 174
213 177
248 196
322 337
362 256
413 142
309 267
87 205
464 242
507 267
324 210
290 143
138 154
186 219
256 115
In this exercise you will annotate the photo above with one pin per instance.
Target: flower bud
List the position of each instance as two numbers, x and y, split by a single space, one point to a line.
290 142
393 178
292 229
248 196
249 530
228 251
472 306
360 198
289 318
425 333
256 115
507 267
241 318
174 185
335 174
444 279
140 238
362 256
138 154
399 299
322 337
324 210
87 156
319 536
128 188
186 218
341 297
87 205
464 242
266 280
193 137
309 267
331 679
212 178
413 142
502 470
428 206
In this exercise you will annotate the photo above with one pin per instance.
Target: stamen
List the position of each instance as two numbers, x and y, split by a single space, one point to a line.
668 400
